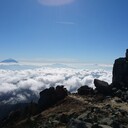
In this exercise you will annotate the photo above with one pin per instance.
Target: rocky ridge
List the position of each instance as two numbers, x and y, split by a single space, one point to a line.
77 111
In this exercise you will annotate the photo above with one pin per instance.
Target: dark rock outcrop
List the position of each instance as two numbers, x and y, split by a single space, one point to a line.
49 97
120 72
85 90
119 85
102 87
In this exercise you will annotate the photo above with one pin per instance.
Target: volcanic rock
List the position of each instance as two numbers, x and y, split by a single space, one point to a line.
120 72
49 97
85 90
102 87
75 123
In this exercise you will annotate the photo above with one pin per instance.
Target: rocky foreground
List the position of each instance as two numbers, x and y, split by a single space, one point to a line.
80 112
86 109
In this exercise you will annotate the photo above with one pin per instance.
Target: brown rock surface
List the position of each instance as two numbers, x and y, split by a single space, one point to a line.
86 111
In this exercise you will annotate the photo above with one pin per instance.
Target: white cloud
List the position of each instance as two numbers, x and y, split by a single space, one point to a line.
7 87
55 2
26 84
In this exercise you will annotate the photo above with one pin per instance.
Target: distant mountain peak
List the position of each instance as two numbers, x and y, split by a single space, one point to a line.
10 60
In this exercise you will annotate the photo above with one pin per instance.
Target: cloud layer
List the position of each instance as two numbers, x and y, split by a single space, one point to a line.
25 85
55 2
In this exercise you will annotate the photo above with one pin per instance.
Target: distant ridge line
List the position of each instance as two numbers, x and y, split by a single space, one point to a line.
10 60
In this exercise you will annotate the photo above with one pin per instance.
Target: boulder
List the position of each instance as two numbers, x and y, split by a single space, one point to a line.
75 123
85 90
102 87
51 96
61 93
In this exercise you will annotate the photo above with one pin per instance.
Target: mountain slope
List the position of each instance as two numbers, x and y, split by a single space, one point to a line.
10 60
77 111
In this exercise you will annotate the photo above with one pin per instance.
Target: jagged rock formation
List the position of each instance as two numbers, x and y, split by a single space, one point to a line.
120 72
119 85
49 97
102 87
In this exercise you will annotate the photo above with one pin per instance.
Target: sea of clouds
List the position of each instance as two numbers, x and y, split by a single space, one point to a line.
24 85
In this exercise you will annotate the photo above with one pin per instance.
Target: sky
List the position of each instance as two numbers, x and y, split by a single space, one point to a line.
93 31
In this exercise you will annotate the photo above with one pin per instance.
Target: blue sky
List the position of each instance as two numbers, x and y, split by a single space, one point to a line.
65 30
